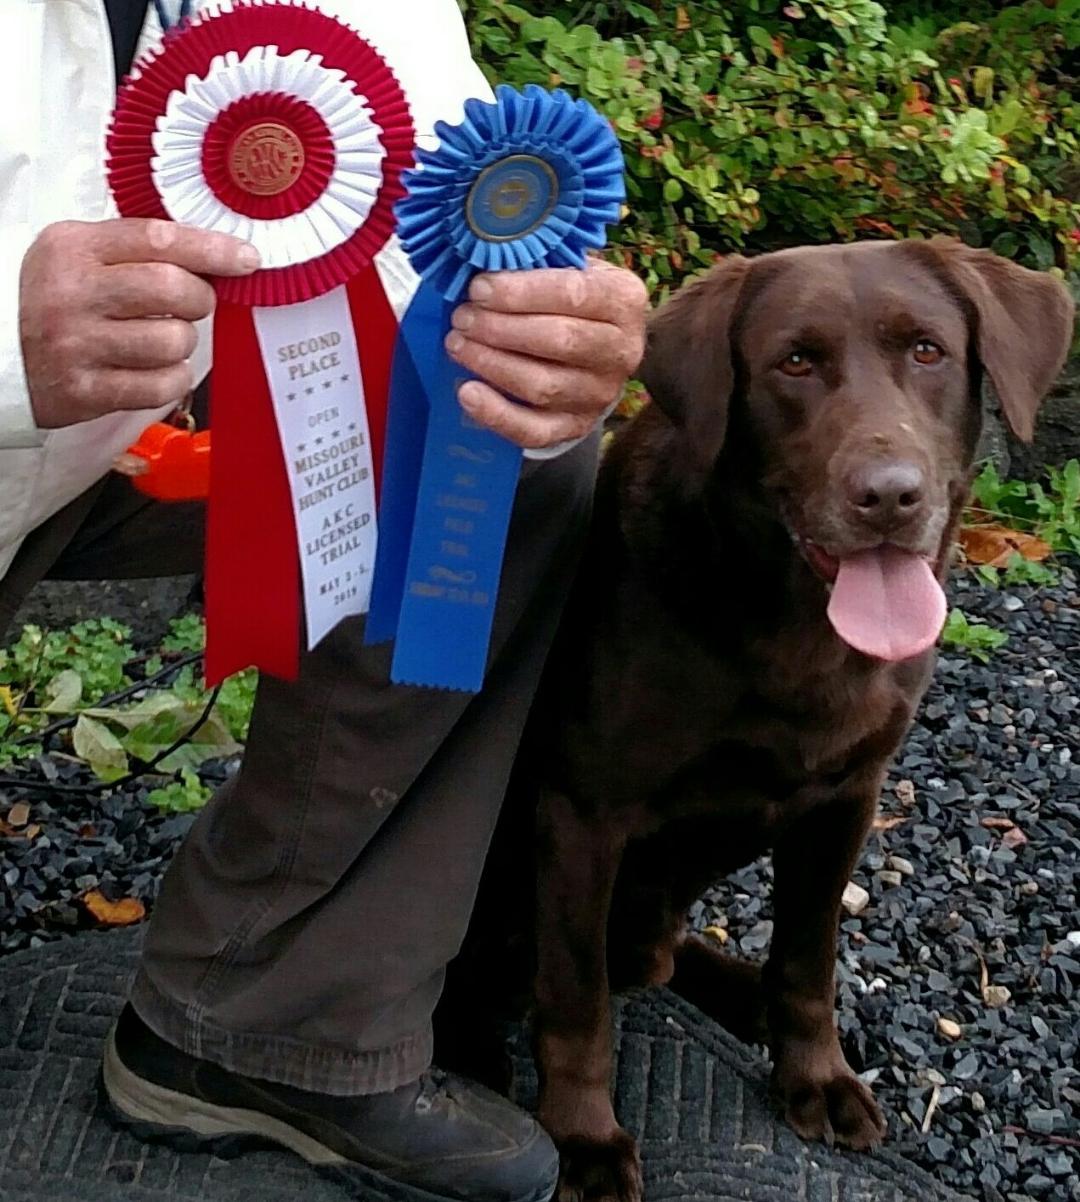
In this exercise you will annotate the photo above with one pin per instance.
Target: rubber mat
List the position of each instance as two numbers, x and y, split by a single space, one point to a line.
694 1097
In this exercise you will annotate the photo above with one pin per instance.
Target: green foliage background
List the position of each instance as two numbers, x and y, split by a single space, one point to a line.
766 123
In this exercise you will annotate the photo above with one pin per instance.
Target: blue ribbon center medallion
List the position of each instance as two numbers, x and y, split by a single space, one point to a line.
512 198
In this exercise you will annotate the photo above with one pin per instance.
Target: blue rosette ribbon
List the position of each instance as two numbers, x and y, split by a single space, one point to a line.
531 180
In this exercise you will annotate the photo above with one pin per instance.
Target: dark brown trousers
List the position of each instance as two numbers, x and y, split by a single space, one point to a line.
305 925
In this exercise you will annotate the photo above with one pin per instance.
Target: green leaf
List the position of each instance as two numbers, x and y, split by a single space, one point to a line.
168 708
673 191
187 633
63 692
181 796
975 638
95 743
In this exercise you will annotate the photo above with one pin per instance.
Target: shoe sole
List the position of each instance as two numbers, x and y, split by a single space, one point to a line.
159 1115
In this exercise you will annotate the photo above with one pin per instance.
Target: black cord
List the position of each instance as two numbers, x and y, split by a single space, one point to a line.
186 737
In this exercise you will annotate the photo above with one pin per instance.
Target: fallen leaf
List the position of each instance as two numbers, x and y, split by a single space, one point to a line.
87 831
7 700
95 742
161 706
19 815
63 692
718 933
993 545
888 822
998 824
33 831
120 913
682 18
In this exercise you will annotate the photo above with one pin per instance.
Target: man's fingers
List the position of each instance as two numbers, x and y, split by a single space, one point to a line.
151 240
601 292
127 389
153 290
572 390
528 428
573 341
150 342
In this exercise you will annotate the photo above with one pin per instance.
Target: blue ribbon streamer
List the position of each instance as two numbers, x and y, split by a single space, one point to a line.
419 344
532 180
466 490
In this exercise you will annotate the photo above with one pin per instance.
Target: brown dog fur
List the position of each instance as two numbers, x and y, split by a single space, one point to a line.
699 709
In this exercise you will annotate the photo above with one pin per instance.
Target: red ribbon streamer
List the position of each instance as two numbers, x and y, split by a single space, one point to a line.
252 560
252 564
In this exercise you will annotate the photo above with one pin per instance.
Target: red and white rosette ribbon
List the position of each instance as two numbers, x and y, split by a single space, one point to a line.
280 125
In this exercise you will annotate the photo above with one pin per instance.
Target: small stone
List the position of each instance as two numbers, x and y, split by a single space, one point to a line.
949 1028
889 878
855 898
978 1103
1043 1122
900 865
996 996
905 792
967 1068
1073 939
1060 1165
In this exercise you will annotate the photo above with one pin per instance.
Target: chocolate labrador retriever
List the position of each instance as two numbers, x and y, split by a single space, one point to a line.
751 632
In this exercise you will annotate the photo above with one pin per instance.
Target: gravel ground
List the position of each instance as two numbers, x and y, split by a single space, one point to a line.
979 1074
959 980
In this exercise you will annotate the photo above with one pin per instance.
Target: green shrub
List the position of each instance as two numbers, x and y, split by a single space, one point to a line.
776 122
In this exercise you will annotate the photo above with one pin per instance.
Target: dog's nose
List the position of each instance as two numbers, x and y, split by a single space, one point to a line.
886 493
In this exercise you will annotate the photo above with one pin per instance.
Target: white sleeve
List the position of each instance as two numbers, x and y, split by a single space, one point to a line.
17 428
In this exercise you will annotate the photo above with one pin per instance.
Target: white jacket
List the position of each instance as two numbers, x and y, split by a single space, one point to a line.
56 93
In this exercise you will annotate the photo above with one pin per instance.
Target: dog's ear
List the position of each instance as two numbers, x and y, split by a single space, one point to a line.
688 367
1024 325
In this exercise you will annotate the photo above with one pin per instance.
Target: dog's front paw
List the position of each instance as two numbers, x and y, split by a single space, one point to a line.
600 1170
823 1099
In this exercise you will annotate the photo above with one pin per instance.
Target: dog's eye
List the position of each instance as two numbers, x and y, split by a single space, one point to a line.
798 363
928 353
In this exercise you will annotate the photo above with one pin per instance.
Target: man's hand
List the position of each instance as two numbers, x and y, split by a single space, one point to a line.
563 341
107 312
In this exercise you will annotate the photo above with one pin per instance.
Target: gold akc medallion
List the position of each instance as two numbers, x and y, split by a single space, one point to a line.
266 158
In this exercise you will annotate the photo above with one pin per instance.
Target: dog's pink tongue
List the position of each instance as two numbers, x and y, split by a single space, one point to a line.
887 603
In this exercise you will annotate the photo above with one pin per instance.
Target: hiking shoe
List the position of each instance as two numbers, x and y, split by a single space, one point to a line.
442 1136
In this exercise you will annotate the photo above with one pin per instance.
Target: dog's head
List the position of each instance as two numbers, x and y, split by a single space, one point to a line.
845 381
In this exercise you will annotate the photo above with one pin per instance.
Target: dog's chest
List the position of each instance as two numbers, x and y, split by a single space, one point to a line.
771 742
